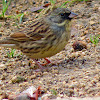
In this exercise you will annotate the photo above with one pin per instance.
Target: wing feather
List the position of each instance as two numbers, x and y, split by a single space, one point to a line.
37 30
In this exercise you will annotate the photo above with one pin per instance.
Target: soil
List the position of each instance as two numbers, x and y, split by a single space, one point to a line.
71 73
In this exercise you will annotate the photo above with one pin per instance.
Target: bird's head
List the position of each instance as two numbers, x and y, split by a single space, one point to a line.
59 15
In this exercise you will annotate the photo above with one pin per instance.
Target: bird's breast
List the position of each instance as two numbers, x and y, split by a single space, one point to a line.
48 49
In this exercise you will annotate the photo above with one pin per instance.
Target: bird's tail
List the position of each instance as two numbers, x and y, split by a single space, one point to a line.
7 43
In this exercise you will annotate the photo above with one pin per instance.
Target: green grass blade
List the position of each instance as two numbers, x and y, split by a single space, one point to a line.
22 15
12 52
5 7
95 39
64 4
53 1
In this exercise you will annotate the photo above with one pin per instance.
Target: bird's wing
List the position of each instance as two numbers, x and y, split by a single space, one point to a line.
37 30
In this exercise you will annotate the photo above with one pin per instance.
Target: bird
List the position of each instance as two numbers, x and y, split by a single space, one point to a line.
44 37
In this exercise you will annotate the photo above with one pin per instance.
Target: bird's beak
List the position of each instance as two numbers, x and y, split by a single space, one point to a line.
72 15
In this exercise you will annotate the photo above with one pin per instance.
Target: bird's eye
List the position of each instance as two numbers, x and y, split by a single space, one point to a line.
62 14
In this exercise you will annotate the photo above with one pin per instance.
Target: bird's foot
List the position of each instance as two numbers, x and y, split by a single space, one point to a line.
47 62
42 69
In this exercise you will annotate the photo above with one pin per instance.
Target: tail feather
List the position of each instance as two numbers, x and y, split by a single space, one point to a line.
6 43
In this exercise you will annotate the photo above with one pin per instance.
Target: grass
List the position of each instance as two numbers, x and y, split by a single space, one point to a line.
78 0
95 39
54 92
11 54
21 17
75 1
70 2
53 2
0 24
18 19
4 7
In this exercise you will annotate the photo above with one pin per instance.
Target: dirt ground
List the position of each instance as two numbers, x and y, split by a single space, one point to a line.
72 73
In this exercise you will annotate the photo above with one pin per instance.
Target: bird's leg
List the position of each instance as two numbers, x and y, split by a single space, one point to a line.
40 66
47 60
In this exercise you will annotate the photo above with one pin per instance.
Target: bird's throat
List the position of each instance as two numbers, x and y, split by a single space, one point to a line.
63 23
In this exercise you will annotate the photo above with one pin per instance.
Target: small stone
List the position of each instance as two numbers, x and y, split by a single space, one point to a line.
32 76
92 22
34 2
69 92
4 96
23 84
45 73
0 34
99 9
2 66
18 79
79 45
86 32
55 71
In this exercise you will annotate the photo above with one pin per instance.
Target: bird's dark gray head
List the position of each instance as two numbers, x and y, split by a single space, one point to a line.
58 15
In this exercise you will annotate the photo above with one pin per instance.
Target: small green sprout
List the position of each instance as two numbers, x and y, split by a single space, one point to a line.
21 17
53 2
4 7
11 54
78 0
17 17
0 24
63 5
54 92
72 2
95 39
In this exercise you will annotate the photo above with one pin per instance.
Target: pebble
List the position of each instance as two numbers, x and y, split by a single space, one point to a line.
2 66
32 77
79 45
34 2
17 79
92 22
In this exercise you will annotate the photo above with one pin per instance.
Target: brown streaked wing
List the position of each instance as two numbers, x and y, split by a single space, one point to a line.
19 36
39 29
